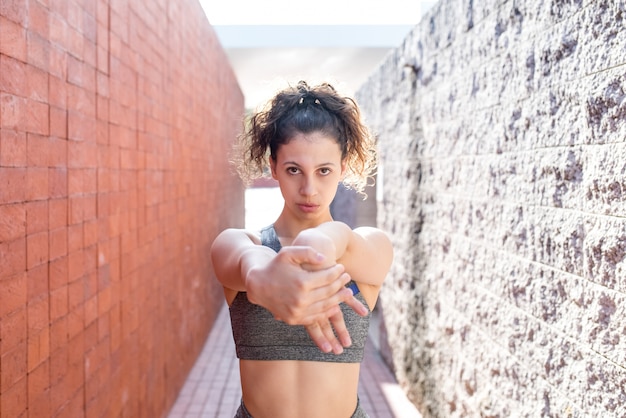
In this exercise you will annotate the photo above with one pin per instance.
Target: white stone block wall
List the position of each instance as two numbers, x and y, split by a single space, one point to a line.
502 128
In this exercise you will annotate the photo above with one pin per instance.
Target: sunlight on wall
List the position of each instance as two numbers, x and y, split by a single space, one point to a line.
263 205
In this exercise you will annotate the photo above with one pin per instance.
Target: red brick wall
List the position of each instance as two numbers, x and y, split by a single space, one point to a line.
115 121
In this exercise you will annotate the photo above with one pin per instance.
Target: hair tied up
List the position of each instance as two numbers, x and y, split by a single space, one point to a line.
307 99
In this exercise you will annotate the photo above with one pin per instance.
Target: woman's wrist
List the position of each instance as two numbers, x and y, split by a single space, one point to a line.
321 243
339 233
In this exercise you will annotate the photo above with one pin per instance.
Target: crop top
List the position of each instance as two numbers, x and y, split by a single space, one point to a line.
258 336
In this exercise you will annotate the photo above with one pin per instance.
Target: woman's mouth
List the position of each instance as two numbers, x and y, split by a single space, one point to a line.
307 207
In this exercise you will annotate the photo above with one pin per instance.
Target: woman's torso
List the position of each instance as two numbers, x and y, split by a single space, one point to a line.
309 389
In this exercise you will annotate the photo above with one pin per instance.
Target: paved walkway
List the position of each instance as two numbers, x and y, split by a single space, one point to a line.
212 388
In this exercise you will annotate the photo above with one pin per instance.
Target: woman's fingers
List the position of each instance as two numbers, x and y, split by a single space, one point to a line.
319 338
322 334
356 306
341 331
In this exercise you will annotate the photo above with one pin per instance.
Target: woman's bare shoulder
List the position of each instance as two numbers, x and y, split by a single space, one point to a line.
375 235
369 256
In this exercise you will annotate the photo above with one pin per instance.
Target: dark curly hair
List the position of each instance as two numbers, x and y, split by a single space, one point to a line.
305 109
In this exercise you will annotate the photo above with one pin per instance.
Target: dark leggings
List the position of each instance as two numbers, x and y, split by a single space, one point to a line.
242 412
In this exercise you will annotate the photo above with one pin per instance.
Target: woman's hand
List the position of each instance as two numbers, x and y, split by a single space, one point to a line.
321 331
300 297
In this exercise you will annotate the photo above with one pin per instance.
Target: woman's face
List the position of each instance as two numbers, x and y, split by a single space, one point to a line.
308 169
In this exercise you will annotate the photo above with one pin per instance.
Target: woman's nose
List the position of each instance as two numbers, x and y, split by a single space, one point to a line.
307 188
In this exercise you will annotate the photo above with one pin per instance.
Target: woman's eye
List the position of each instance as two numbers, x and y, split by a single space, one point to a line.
292 170
324 171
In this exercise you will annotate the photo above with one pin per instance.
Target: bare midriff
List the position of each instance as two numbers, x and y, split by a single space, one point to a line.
287 389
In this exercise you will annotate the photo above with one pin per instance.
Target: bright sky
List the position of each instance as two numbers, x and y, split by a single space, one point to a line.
320 12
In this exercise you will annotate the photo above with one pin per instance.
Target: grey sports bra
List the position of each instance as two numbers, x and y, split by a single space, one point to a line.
258 336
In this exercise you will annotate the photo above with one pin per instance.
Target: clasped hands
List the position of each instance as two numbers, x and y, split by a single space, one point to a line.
303 285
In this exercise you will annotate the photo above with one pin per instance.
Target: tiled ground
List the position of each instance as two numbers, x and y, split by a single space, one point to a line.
212 388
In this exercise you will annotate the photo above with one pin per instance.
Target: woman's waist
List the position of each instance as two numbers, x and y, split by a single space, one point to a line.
272 388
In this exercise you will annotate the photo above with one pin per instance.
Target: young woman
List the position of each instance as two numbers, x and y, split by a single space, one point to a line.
301 290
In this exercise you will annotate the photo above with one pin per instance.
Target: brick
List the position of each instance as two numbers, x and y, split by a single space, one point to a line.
37 217
57 149
57 209
76 269
75 406
37 51
102 59
91 342
59 271
80 344
39 390
13 367
38 20
15 399
75 43
104 297
38 313
58 93
13 111
80 73
37 117
58 243
102 209
102 84
81 102
37 82
79 153
76 210
58 396
12 262
12 182
37 187
58 31
42 354
91 310
59 7
91 284
102 12
90 57
37 150
13 80
57 185
58 128
57 62
89 207
103 186
75 181
90 231
75 320
58 303
14 10
118 25
40 405
37 251
13 148
90 25
58 333
13 330
12 39
81 128
38 285
75 239
59 361
12 222
90 181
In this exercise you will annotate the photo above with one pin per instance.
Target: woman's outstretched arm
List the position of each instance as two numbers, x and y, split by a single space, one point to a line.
278 282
